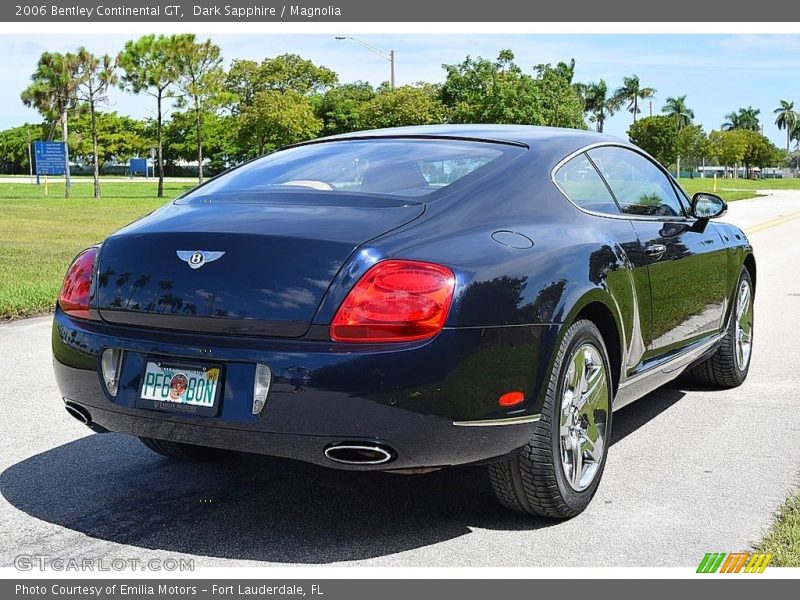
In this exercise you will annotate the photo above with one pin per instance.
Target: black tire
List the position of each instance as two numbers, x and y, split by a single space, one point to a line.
179 451
533 480
722 369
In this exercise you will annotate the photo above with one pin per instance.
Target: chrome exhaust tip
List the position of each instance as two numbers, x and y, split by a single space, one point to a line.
79 413
359 454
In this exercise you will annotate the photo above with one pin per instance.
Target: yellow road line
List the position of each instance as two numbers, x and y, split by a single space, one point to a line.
772 223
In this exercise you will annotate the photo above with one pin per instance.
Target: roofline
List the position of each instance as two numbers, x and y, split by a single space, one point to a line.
381 134
509 133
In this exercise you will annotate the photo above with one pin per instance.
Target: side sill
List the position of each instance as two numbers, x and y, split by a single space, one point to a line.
676 362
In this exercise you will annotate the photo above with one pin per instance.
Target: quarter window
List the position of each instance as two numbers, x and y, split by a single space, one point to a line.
580 182
640 187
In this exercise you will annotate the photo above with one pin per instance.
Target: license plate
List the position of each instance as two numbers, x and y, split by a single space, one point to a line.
176 386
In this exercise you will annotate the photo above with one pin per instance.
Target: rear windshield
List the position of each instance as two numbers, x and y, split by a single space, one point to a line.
407 168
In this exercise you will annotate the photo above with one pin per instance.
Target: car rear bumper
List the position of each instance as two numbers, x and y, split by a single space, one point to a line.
431 404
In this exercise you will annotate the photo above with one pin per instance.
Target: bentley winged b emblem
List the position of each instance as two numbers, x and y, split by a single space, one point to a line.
197 258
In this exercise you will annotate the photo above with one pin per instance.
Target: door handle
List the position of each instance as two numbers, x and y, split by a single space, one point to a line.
655 251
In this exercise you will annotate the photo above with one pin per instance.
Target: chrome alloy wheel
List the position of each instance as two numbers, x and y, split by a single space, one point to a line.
744 325
584 413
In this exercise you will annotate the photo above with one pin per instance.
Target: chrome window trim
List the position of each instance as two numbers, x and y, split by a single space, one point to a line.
621 215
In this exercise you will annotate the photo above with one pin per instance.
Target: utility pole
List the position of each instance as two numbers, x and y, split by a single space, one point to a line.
386 55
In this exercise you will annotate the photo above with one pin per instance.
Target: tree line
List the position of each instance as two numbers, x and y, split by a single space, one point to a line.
674 137
217 117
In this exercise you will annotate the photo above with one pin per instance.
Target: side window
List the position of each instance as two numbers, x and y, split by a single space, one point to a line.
580 182
639 186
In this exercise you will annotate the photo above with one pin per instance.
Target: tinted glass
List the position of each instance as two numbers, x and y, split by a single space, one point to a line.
397 167
639 186
580 182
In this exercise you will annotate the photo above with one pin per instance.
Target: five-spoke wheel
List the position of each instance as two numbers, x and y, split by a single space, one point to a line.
584 408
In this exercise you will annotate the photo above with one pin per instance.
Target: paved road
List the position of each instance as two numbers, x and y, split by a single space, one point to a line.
690 471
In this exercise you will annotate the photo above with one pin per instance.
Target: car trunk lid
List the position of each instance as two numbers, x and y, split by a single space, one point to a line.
237 268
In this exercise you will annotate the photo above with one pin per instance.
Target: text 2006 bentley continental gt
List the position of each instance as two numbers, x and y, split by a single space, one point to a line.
407 299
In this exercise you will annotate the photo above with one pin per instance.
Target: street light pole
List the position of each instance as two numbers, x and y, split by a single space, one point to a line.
382 53
391 63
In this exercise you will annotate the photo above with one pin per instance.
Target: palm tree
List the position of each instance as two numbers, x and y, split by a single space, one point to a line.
142 281
631 92
52 93
744 118
599 104
677 109
749 118
787 119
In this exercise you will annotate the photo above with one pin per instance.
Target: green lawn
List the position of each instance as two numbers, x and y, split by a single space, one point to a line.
39 235
737 189
783 540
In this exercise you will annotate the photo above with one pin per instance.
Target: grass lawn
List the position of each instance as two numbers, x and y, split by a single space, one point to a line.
737 189
783 540
40 235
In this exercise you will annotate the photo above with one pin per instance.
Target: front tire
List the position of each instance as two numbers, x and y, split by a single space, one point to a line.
729 365
557 473
179 451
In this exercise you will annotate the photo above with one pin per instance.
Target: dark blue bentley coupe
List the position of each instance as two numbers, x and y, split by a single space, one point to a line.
410 299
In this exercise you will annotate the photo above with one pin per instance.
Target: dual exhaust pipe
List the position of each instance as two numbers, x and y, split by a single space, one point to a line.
356 453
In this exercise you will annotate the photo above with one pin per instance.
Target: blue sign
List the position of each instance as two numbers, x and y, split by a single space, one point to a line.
138 165
50 157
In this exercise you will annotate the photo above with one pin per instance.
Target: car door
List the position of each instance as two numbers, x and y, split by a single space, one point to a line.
578 180
687 266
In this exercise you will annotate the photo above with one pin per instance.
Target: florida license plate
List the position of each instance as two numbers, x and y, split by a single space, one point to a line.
182 387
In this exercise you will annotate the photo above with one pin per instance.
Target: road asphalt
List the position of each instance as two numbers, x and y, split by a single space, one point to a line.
690 471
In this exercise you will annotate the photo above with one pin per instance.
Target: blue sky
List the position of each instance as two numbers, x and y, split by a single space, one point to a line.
719 73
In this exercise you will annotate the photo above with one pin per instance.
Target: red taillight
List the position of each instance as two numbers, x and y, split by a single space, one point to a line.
395 301
74 296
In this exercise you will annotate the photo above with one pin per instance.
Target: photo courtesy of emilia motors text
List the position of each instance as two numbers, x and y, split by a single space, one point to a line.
352 300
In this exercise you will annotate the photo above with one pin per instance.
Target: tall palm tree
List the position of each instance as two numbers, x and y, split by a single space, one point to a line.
52 93
631 92
676 108
599 104
744 118
787 119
